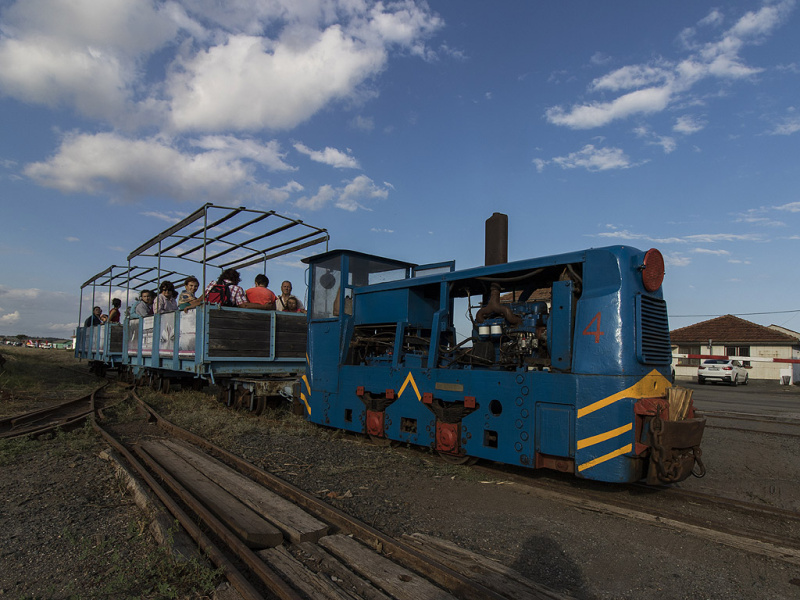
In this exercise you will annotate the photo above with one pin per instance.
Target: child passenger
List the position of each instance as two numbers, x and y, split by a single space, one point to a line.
188 298
165 302
293 305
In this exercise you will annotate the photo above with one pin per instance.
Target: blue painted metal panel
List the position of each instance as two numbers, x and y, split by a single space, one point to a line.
559 336
554 429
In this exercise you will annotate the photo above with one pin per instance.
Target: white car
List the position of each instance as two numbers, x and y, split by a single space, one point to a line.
719 369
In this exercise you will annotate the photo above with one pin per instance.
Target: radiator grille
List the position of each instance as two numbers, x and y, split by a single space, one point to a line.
653 331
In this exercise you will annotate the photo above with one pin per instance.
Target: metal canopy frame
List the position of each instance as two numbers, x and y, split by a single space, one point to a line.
214 232
225 230
130 277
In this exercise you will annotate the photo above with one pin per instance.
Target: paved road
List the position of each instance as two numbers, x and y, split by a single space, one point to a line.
757 397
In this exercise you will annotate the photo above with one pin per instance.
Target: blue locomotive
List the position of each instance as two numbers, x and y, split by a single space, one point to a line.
567 365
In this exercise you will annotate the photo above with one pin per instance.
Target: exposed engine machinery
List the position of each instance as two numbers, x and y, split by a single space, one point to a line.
518 337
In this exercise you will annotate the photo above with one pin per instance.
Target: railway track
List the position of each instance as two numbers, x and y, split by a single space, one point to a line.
271 538
751 527
65 416
752 423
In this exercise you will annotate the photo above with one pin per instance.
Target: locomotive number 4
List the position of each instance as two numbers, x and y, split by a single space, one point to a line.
596 332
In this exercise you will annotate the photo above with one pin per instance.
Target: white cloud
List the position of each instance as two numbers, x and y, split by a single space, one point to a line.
688 124
171 219
351 196
709 251
19 294
632 77
363 123
324 195
270 85
360 189
588 116
129 169
239 65
675 259
657 86
328 156
667 143
756 220
700 238
72 239
787 126
723 237
790 207
80 54
10 318
593 159
281 82
232 148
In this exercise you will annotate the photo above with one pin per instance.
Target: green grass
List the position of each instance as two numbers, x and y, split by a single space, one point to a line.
141 572
64 443
32 375
11 449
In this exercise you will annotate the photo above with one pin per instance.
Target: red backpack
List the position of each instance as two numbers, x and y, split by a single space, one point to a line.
220 293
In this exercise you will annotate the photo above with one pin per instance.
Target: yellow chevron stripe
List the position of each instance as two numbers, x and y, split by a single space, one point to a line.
653 384
605 457
303 398
410 378
602 437
308 387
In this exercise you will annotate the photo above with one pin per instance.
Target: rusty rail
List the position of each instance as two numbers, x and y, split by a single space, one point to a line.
66 416
400 552
232 574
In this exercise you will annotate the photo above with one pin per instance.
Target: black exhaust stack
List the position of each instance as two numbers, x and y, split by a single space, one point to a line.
496 239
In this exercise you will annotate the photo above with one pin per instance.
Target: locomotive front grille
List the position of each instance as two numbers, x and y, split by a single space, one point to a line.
652 339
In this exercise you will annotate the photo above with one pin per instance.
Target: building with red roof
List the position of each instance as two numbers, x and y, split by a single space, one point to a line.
736 337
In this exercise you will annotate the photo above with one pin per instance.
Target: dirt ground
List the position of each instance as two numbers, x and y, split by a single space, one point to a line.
68 530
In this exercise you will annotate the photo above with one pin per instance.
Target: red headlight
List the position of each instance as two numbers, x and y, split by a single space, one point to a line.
652 270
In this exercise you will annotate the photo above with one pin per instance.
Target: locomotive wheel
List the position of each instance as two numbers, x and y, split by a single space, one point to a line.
222 396
465 460
242 399
166 383
261 404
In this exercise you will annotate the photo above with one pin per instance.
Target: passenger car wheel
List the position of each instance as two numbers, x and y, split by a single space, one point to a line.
735 381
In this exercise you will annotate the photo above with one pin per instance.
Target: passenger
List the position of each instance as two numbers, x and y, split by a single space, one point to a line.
293 305
96 318
286 292
114 313
145 306
260 294
165 302
188 298
230 279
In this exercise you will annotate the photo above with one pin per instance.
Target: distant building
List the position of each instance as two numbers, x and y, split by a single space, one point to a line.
733 336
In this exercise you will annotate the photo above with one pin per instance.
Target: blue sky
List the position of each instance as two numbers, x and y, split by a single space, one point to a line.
400 127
